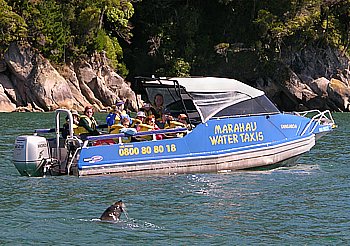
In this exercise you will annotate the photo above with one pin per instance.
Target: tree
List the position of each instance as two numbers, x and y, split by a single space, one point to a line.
12 26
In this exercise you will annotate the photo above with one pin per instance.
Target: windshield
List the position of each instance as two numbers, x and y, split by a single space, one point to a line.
206 98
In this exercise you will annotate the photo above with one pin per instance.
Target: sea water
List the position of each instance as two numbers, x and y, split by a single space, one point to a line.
307 204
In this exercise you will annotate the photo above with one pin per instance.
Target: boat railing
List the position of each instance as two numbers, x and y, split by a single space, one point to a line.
245 115
317 118
42 131
120 136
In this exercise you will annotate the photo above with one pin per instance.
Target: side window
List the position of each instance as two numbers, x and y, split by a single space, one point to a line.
257 105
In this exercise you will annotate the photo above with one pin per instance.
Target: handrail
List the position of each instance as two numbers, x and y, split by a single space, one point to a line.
321 118
161 131
47 130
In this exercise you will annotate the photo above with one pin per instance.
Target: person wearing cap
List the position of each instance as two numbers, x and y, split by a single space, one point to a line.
114 116
148 109
76 118
182 118
140 119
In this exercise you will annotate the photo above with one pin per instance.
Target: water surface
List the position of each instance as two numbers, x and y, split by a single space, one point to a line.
307 204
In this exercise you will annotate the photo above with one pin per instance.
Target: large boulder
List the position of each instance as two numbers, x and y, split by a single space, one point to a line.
320 86
37 82
51 90
33 84
323 77
339 93
5 103
19 59
8 88
71 77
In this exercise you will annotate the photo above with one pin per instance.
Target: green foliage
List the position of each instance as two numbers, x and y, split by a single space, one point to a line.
114 52
208 33
65 30
12 26
174 38
175 68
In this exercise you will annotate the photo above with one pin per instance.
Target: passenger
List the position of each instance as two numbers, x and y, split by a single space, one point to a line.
158 106
87 123
166 117
76 119
140 119
151 121
148 109
114 115
125 122
113 118
172 124
125 128
182 118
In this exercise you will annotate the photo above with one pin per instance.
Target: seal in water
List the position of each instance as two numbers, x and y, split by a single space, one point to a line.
113 212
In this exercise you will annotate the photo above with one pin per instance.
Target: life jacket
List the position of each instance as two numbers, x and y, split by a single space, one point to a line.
172 125
66 129
135 122
76 129
114 129
91 121
145 128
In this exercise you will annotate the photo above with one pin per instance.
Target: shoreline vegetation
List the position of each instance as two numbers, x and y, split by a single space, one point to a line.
71 54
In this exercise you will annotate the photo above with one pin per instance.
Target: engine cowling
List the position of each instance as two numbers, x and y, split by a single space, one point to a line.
30 154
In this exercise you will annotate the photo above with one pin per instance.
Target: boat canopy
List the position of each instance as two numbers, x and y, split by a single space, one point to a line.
212 96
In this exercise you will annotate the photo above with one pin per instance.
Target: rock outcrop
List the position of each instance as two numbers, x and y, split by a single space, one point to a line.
28 82
306 79
309 79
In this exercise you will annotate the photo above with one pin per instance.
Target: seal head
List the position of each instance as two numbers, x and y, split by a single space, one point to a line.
113 212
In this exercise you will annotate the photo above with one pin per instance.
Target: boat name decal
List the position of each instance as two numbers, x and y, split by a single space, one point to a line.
236 133
146 150
289 126
94 159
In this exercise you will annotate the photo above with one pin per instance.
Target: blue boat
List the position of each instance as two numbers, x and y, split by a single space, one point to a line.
232 127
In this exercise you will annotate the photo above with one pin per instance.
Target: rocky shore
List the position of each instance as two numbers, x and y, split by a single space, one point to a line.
302 80
28 82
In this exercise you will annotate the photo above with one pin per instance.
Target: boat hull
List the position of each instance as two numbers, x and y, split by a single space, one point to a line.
238 160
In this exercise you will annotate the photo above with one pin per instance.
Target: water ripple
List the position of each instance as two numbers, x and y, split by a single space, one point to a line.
304 204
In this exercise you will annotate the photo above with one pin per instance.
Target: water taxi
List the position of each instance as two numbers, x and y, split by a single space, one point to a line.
232 127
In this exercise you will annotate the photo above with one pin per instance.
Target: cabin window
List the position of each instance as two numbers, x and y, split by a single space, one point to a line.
258 105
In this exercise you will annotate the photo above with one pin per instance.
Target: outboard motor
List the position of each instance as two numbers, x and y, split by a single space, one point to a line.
30 155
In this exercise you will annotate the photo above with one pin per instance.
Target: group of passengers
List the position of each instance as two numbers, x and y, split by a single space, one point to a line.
150 117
